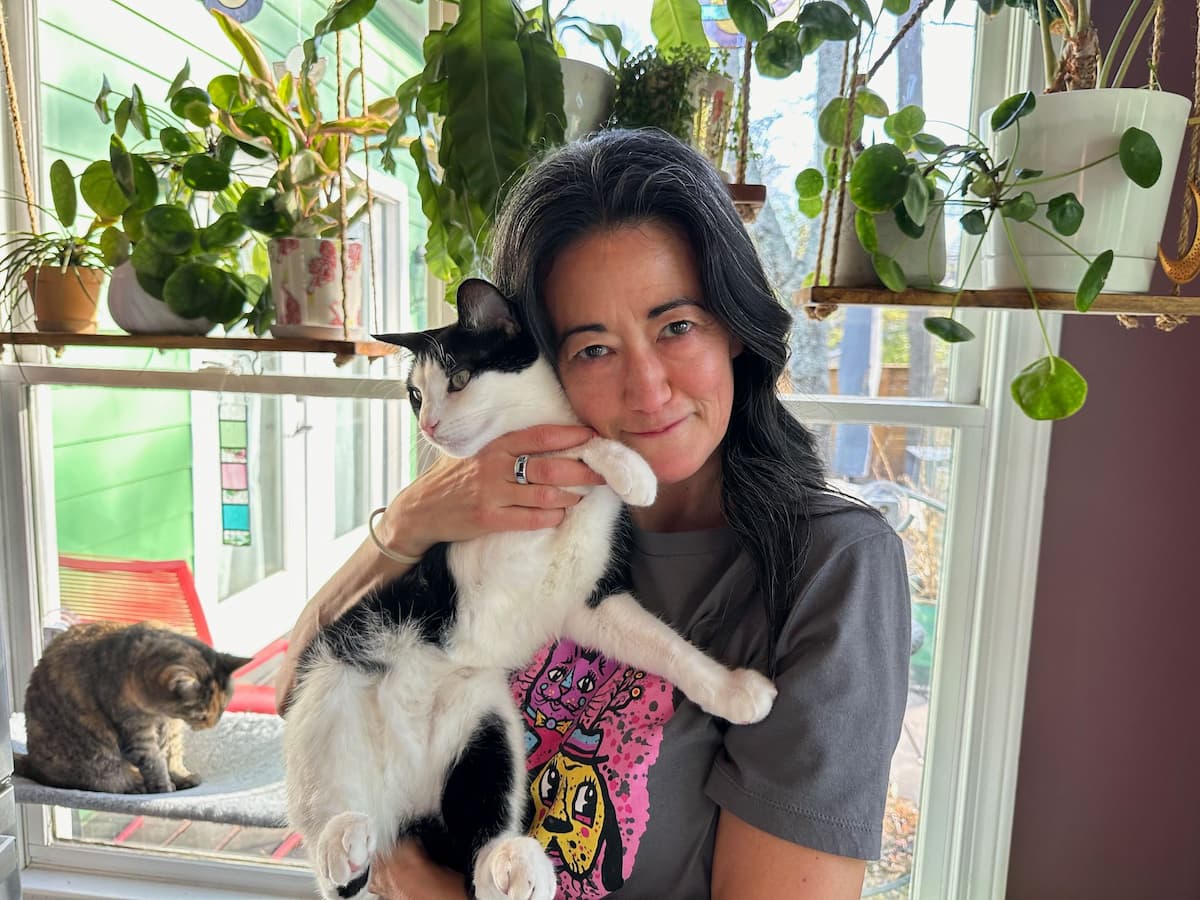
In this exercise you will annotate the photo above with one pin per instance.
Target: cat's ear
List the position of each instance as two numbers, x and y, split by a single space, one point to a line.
182 682
481 307
230 663
409 340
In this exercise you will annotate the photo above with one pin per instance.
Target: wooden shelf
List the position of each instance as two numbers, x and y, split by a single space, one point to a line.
1128 304
342 350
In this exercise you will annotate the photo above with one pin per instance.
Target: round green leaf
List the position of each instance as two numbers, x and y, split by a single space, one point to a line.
225 232
860 10
198 289
831 124
1093 281
131 222
114 246
929 144
169 228
879 178
889 272
1011 109
905 223
62 190
258 211
223 90
748 17
151 285
1020 208
173 140
973 222
916 198
810 206
203 173
145 184
872 104
949 330
1140 157
1065 213
897 7
101 191
186 96
907 121
828 20
1050 388
864 227
809 183
778 54
151 262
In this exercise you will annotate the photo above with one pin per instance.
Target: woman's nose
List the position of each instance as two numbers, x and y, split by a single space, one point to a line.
647 388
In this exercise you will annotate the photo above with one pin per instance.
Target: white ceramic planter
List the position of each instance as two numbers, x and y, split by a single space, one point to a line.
306 285
922 259
1066 131
137 312
587 96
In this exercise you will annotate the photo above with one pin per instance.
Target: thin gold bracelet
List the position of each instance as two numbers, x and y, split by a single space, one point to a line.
385 550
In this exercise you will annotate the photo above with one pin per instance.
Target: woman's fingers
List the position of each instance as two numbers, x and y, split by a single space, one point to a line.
557 471
543 439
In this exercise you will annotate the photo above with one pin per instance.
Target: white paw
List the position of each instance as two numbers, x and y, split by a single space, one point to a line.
514 868
344 848
744 696
633 480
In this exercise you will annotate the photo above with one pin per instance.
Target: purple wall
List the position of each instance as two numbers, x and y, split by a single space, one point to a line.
1108 789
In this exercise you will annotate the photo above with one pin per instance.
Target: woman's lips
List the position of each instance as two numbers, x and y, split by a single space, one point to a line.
655 432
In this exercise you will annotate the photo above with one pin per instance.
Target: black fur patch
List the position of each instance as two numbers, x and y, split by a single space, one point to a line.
475 800
352 887
617 577
426 596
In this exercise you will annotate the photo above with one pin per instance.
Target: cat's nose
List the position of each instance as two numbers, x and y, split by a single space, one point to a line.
429 428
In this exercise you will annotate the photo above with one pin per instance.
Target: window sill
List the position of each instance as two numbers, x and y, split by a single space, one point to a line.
54 884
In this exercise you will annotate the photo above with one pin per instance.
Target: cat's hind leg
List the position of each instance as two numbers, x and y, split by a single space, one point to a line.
342 855
483 806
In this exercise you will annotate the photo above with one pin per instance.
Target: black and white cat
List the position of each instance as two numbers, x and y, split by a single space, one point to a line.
402 723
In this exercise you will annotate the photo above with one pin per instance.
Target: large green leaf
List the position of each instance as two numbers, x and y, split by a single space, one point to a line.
677 23
198 289
191 103
1020 208
1015 107
1050 388
827 20
62 190
224 91
101 192
114 246
879 178
169 228
173 140
545 119
916 198
343 14
259 210
225 232
809 183
974 222
145 184
1140 157
864 228
203 173
246 46
889 272
749 17
779 54
485 99
831 123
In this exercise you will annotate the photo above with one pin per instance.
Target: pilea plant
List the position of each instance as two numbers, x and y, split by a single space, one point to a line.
890 179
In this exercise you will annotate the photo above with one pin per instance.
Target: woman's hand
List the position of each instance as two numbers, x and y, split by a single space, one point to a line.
454 500
408 874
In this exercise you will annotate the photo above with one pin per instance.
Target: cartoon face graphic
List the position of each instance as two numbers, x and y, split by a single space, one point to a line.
567 682
572 820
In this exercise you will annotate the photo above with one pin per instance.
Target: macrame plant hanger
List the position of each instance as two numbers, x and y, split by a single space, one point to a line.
851 79
1183 246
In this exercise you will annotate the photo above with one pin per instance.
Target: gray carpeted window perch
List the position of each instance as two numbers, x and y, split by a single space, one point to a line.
240 763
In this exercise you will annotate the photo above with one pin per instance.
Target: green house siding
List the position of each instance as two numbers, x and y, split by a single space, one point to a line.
123 458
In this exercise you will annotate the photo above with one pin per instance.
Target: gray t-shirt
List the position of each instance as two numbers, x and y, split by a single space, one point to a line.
628 777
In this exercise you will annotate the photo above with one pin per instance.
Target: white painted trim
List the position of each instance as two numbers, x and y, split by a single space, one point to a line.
884 411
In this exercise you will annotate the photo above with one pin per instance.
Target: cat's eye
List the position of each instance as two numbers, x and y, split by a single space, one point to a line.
586 684
414 396
459 380
556 674
548 785
583 809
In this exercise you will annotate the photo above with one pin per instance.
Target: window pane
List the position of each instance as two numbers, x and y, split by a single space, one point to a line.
351 466
904 473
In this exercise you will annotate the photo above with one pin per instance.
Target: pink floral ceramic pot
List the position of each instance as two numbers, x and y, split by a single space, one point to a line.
306 281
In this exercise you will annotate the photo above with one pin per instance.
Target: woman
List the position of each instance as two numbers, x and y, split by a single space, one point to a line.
627 259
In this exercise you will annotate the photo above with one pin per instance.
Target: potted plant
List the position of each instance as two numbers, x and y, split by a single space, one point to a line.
178 254
62 271
490 98
312 197
1086 100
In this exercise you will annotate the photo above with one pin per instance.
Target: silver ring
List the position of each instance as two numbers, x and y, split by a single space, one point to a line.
519 469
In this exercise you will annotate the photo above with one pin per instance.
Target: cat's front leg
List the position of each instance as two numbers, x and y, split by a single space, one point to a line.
620 628
180 776
626 472
142 750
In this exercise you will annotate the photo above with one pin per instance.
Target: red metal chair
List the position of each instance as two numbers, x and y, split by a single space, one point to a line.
131 590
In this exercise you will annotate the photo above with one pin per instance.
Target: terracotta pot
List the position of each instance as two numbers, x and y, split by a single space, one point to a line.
65 300
306 284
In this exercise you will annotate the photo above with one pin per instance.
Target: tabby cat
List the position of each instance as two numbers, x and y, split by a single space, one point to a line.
106 705
402 723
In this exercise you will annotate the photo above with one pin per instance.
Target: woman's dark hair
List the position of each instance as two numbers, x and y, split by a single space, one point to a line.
770 467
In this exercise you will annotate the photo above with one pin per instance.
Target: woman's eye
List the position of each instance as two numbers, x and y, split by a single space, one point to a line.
459 379
683 326
595 351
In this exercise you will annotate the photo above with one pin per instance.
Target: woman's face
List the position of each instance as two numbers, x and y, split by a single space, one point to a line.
641 359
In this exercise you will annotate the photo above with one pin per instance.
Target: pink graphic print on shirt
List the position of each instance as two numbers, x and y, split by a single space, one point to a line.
592 730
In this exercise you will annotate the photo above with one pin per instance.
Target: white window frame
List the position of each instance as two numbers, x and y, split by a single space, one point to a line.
983 639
